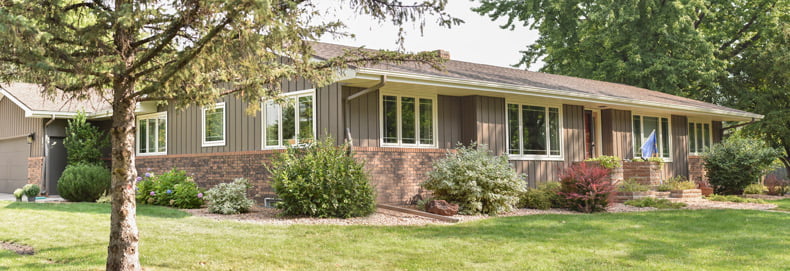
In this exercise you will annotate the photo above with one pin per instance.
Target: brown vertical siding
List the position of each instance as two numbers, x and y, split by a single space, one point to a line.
491 123
469 119
14 123
679 141
330 103
364 117
718 132
449 121
616 133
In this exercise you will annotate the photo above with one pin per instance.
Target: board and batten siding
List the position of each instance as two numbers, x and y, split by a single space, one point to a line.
539 171
243 131
482 120
13 123
679 152
616 133
364 117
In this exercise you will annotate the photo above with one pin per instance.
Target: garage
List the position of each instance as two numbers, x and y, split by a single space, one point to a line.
13 163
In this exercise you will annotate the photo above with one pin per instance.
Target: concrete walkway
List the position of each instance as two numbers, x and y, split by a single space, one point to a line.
10 197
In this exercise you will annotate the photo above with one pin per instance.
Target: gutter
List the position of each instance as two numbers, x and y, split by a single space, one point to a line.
46 156
434 80
347 114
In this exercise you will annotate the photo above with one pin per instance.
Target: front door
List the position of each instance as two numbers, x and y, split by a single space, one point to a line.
591 124
56 164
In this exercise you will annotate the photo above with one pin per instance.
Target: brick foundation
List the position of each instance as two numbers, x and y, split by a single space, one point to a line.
697 170
647 173
211 169
395 173
35 167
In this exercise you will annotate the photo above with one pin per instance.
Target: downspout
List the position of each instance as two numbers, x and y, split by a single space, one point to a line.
45 169
347 115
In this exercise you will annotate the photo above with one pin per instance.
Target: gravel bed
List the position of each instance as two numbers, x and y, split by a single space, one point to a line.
384 217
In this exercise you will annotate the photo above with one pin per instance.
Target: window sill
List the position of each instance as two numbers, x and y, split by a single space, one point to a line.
535 158
214 144
385 145
151 154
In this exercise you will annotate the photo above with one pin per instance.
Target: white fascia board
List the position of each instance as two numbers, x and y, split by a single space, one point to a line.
402 77
28 112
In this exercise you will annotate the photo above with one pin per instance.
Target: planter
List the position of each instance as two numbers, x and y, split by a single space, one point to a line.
661 195
626 196
31 199
686 194
706 191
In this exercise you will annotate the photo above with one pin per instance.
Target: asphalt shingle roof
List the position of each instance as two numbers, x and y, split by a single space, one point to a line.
32 97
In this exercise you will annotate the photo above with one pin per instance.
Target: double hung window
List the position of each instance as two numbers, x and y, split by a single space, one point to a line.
214 125
699 137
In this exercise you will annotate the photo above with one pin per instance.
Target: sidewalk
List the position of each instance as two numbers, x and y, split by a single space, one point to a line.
10 197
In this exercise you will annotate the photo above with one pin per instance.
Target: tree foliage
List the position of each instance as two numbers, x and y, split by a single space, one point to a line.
178 52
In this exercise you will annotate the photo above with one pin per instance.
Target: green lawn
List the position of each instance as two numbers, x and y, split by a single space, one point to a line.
74 237
784 204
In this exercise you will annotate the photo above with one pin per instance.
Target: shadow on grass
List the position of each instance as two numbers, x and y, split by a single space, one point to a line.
35 262
98 208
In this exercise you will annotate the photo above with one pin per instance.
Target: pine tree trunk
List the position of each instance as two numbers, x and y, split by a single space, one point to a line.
122 253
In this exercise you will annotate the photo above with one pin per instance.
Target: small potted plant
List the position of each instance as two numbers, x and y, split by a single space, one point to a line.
18 194
31 191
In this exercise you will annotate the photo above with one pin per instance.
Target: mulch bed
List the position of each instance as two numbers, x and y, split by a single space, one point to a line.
18 248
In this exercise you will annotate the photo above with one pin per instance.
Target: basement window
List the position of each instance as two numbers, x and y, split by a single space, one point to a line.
152 134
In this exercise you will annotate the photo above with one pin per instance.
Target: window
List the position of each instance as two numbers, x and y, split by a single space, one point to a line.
214 125
699 137
534 131
289 123
643 126
408 121
152 134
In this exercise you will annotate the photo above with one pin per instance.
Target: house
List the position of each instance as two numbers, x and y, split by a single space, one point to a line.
401 118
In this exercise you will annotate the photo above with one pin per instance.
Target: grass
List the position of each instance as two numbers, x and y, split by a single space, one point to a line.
783 204
656 203
74 237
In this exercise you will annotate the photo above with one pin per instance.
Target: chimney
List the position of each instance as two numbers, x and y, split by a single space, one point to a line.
443 54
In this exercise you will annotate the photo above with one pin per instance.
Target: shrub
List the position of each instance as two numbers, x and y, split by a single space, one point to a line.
755 189
545 196
586 188
658 160
31 190
84 182
733 198
229 198
321 180
677 183
655 203
736 163
421 203
610 162
777 186
105 198
18 193
476 180
172 188
84 142
632 185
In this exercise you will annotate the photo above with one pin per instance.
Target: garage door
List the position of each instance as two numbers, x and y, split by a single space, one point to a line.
13 164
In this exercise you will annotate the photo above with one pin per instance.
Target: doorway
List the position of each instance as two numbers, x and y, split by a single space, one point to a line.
56 163
592 133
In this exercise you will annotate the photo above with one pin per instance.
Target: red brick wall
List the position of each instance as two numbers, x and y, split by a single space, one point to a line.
35 166
697 170
648 173
210 169
396 173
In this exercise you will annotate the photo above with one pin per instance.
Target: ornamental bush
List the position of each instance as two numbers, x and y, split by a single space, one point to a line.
755 189
677 183
632 185
476 180
586 188
84 142
173 188
18 193
229 198
543 197
737 162
321 180
84 182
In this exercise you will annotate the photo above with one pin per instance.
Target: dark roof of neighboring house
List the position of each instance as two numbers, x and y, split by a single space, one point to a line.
32 98
509 76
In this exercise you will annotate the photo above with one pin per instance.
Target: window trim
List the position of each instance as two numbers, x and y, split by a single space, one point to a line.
157 115
435 118
710 133
660 131
296 95
214 143
539 157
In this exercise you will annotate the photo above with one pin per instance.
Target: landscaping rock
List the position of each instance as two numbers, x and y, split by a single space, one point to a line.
441 207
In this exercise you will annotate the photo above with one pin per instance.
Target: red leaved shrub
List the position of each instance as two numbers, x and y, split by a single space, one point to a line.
586 188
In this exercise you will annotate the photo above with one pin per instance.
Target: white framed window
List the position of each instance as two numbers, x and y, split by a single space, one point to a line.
151 136
534 132
643 126
213 125
291 122
699 137
408 120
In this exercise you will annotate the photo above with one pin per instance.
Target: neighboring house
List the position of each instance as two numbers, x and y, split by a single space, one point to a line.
401 118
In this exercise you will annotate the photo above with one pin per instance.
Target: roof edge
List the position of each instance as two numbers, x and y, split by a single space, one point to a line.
496 87
17 102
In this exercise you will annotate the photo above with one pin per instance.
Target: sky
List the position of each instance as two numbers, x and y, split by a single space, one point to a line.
478 40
